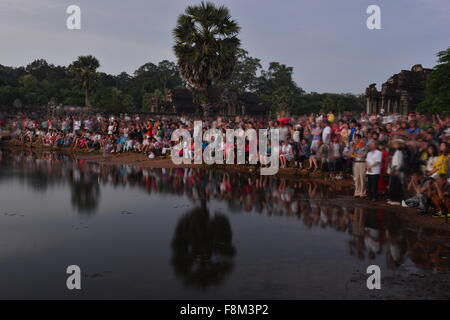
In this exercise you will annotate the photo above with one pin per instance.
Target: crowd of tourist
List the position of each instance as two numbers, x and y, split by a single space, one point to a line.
402 159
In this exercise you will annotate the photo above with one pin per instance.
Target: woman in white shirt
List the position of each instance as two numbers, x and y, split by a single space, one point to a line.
286 153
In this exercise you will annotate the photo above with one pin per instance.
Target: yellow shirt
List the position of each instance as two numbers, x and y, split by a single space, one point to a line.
331 117
441 165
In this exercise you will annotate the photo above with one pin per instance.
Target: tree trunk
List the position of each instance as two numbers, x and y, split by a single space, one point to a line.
87 98
207 106
207 109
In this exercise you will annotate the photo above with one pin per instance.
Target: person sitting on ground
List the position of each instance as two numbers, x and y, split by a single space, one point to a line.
421 187
441 197
304 152
316 132
335 158
286 153
441 163
129 143
428 158
320 156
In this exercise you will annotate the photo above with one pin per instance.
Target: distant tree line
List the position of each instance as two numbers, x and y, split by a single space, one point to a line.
41 82
79 84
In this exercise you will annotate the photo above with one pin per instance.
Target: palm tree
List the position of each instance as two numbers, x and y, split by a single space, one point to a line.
206 45
85 71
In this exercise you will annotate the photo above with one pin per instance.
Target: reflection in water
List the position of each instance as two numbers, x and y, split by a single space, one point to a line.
202 248
202 243
42 170
85 191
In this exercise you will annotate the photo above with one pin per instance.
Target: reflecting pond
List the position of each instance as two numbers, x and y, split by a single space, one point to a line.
192 234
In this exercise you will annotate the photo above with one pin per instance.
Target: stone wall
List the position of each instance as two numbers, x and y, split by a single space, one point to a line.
401 93
224 102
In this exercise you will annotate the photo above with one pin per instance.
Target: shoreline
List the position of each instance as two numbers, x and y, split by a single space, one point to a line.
142 161
407 215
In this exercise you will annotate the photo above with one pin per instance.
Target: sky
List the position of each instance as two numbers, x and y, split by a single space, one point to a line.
326 41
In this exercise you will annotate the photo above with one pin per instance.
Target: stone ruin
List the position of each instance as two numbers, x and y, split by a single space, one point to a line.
401 93
225 102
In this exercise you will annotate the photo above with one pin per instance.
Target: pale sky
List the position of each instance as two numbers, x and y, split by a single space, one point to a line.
326 41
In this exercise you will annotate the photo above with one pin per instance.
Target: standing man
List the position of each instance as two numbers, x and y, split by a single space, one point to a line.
326 133
373 169
358 154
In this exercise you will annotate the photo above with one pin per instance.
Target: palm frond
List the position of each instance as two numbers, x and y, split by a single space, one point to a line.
206 44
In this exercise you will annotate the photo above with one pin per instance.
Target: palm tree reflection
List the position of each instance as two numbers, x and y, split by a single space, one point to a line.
202 248
85 191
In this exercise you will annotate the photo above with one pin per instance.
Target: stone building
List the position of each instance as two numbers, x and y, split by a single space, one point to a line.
401 93
225 102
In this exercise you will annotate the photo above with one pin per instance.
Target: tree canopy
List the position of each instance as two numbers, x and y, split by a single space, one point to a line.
206 44
40 82
84 70
437 90
245 73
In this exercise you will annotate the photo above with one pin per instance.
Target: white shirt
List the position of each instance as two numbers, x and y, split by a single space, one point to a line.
397 160
374 157
430 164
283 133
286 149
296 136
335 150
326 135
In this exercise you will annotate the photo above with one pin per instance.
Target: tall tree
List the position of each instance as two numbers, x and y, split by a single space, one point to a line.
206 44
169 75
277 87
244 76
438 86
278 75
85 71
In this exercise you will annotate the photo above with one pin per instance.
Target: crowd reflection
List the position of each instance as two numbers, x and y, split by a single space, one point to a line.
200 237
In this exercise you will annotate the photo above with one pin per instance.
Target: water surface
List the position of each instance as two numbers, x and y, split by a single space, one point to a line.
192 234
